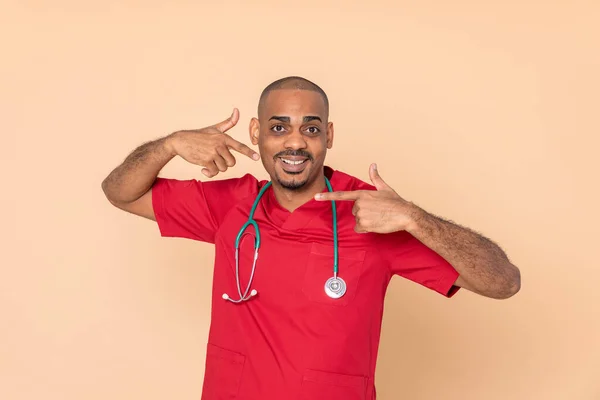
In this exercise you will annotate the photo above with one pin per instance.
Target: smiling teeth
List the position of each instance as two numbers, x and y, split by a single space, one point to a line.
292 162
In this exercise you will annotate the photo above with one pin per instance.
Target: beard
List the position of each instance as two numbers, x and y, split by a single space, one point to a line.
291 183
291 180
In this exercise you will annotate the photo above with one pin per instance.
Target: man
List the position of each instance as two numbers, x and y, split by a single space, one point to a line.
302 320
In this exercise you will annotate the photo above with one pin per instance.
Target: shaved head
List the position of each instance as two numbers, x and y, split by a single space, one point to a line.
293 134
292 82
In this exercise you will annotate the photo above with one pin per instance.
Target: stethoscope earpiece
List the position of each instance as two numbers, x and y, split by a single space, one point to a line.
335 287
252 293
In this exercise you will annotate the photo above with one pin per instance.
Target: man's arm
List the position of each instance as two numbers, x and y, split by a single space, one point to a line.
129 185
482 265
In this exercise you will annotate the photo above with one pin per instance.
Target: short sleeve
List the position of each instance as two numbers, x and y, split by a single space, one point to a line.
193 209
410 258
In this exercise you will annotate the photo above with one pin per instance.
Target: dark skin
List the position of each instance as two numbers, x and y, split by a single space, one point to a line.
293 124
293 121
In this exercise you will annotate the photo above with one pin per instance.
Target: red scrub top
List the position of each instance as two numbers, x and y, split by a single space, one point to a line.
291 341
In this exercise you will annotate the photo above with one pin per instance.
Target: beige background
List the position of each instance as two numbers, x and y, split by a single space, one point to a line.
483 112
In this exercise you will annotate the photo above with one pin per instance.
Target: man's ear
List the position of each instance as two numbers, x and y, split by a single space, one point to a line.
329 135
254 130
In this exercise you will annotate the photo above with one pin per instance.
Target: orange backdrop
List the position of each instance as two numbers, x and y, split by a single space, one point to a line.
482 112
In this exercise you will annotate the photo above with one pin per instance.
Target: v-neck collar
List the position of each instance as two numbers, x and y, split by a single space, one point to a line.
302 215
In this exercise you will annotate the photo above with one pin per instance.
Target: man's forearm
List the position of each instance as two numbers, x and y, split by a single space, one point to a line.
483 266
136 175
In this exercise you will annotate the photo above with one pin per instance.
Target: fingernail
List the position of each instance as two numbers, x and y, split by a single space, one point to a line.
255 156
318 196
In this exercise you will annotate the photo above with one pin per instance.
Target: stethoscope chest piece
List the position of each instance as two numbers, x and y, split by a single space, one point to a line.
335 287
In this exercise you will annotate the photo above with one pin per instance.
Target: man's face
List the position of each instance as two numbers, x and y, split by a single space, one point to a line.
293 135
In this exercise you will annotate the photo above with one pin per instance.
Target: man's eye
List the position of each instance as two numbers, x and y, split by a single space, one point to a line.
277 128
313 129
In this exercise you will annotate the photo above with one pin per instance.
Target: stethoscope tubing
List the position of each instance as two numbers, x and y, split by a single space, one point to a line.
334 287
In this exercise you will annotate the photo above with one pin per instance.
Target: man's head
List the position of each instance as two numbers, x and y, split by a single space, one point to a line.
292 131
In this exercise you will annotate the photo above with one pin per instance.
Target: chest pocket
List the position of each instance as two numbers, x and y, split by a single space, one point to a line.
319 269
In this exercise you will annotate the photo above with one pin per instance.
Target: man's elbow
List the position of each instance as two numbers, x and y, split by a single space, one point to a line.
107 194
104 186
512 283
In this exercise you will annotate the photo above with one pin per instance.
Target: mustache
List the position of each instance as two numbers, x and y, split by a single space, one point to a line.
298 153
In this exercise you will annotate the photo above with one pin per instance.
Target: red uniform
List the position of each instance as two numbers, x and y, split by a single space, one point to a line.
292 341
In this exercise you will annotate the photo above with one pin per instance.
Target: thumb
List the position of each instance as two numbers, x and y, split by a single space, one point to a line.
378 182
229 122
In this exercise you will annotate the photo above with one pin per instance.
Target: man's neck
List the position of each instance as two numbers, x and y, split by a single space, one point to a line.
292 199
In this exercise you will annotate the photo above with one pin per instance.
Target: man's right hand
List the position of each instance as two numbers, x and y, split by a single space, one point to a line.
210 147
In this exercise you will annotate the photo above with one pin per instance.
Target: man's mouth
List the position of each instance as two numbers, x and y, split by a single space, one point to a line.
293 164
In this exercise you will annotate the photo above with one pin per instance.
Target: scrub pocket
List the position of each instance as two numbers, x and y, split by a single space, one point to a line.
223 374
320 268
317 385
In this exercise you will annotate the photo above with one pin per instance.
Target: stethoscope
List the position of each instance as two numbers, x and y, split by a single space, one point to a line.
335 287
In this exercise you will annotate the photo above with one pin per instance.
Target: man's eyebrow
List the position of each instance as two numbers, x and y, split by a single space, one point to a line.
282 119
308 118
311 118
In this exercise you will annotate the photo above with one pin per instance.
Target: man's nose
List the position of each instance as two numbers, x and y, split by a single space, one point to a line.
295 140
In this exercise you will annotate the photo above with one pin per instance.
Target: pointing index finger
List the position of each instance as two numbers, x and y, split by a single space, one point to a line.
350 195
242 148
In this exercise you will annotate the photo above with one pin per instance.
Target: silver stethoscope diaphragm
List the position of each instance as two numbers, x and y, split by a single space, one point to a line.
335 287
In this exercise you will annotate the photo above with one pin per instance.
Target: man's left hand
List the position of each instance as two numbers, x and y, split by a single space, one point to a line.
378 211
